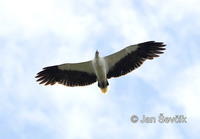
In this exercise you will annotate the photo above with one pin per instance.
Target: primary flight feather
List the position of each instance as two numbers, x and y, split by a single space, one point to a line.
101 68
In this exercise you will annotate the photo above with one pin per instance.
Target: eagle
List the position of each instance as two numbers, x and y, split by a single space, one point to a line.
101 68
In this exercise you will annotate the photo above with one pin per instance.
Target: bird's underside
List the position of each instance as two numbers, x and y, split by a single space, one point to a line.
101 68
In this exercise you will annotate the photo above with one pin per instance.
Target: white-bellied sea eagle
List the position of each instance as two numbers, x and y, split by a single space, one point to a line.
101 68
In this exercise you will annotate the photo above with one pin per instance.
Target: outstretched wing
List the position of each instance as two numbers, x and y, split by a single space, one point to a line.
132 57
77 74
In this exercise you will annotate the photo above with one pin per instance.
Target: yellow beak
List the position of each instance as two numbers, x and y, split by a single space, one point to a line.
104 90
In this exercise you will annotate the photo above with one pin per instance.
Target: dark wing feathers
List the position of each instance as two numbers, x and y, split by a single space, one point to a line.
134 59
52 75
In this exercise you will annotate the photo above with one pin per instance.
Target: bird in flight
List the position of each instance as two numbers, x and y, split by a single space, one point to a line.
101 68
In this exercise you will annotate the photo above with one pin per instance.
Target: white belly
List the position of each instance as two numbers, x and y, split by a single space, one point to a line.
100 69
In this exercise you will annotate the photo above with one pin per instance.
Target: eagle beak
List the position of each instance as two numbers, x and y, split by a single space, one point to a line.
104 90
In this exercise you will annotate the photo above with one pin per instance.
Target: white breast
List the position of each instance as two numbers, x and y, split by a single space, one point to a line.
100 67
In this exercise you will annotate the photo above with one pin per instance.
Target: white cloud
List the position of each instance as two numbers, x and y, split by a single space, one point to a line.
184 89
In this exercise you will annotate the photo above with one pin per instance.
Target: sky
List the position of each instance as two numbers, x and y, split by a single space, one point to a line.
39 33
